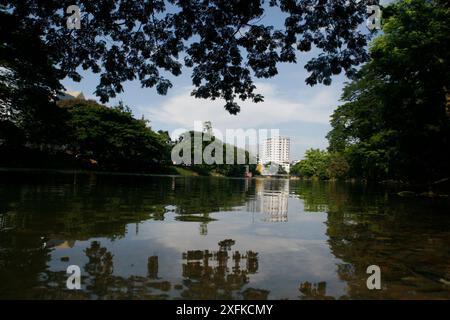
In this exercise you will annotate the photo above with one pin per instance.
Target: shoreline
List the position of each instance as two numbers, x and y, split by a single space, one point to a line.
384 183
113 173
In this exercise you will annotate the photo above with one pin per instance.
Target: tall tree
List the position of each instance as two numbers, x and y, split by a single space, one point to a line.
395 121
112 136
314 165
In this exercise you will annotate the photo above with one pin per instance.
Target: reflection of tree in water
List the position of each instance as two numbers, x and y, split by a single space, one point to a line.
85 206
59 208
97 278
206 275
99 268
22 259
220 274
102 283
372 226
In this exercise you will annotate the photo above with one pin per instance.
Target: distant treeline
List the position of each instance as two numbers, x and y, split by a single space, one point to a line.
84 134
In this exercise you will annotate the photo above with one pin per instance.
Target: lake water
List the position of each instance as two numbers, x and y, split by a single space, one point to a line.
144 237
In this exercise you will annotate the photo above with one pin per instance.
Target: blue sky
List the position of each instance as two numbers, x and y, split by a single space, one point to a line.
299 111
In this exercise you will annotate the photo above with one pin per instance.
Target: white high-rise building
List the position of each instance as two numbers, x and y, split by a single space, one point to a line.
276 150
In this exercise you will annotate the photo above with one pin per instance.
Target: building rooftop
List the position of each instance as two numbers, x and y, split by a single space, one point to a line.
70 95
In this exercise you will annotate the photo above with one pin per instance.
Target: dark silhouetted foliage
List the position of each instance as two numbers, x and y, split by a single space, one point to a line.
225 42
395 122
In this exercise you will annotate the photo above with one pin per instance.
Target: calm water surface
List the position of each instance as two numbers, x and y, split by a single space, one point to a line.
215 238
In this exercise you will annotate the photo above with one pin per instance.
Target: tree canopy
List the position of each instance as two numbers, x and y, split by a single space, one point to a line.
226 43
321 164
223 158
395 119
112 136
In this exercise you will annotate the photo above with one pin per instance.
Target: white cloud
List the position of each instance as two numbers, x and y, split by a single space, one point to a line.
182 109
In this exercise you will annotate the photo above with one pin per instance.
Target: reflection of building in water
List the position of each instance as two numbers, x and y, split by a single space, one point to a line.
203 228
271 199
58 243
65 244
